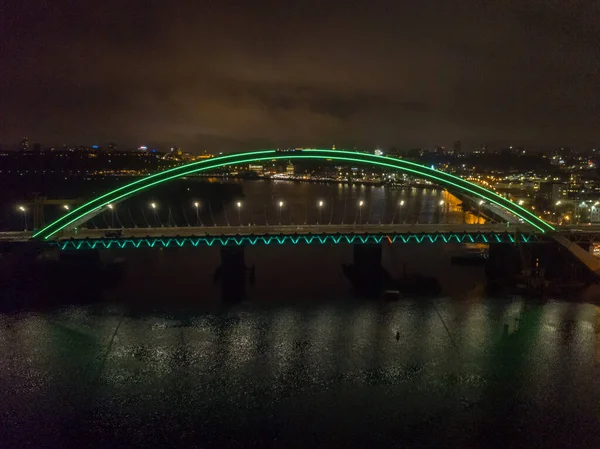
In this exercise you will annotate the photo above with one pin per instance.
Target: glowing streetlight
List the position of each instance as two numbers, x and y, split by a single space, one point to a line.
558 203
360 205
154 206
239 208
23 209
280 206
401 203
66 207
112 213
521 202
197 206
441 202
480 202
320 204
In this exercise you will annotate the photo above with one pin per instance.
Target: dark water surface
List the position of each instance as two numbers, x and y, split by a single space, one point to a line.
304 375
301 363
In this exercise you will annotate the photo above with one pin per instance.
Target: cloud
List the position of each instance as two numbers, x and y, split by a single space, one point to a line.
222 76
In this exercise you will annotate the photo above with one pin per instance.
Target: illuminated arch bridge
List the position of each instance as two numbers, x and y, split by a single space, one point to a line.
84 212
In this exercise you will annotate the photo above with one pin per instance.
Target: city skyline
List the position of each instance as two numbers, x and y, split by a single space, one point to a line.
230 78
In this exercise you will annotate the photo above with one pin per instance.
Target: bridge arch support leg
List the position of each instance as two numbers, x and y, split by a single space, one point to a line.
231 274
366 272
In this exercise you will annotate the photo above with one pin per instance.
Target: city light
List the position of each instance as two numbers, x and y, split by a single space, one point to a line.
441 202
558 203
402 203
320 203
521 202
481 202
110 206
360 203
153 205
22 208
65 206
281 204
196 204
239 204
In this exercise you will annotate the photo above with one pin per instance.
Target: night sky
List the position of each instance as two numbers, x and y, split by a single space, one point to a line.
227 76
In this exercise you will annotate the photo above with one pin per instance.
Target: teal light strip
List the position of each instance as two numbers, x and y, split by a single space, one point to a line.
324 239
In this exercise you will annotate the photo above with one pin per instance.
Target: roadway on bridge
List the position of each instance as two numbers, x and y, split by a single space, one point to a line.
298 229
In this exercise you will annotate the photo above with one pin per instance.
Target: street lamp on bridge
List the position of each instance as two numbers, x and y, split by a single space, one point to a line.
360 205
112 213
154 207
401 204
66 207
280 206
320 205
239 208
23 209
197 207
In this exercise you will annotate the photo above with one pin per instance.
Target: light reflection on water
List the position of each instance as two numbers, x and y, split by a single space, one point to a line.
241 368
341 204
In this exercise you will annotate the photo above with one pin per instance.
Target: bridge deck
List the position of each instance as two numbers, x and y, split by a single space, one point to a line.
219 231
302 234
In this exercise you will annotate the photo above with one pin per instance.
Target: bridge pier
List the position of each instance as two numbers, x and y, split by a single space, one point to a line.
504 263
232 273
366 273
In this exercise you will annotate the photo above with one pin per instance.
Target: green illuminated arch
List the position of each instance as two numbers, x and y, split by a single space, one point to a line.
82 213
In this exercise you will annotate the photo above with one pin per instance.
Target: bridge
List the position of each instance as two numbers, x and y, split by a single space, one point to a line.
522 225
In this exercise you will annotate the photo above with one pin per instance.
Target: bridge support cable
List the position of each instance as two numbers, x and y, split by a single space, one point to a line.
145 219
211 214
185 216
131 217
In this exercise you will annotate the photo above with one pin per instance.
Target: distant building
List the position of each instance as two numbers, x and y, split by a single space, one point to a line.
553 191
256 168
204 155
24 144
289 170
457 147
